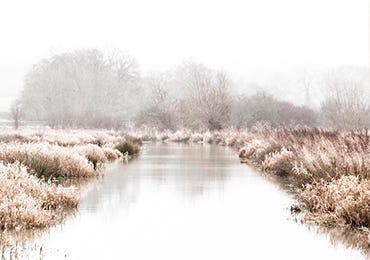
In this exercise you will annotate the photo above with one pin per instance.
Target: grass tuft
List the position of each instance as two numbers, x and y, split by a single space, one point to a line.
28 202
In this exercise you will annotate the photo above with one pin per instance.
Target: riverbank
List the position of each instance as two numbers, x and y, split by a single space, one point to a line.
328 171
36 165
189 198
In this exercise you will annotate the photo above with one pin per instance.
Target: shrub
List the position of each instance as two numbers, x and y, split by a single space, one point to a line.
93 153
112 154
128 147
44 167
279 162
257 150
262 107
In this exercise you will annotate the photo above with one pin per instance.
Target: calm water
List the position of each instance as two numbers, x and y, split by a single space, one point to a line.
184 202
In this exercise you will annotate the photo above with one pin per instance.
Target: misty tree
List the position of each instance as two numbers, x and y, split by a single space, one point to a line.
249 111
159 109
307 87
16 112
347 104
84 87
207 101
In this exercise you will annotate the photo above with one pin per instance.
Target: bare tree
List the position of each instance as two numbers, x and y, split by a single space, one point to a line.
207 101
263 108
84 87
16 112
159 109
307 83
347 104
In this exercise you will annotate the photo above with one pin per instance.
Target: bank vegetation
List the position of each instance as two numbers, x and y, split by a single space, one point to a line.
35 167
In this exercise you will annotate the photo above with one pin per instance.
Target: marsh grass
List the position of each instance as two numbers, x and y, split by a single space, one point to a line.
127 147
47 161
34 163
131 146
278 161
328 170
44 167
344 201
112 154
28 202
93 153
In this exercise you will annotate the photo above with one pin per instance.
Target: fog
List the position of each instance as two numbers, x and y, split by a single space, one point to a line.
272 46
83 83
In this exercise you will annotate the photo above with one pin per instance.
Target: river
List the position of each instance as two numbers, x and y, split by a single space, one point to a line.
178 201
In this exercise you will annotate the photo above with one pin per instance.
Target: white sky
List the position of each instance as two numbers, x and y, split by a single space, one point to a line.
242 37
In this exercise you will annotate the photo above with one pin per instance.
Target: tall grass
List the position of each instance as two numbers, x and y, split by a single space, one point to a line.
48 161
61 153
27 202
344 201
32 162
328 170
128 147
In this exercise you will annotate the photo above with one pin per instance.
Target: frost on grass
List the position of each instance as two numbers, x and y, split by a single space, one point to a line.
48 161
345 201
28 202
31 163
328 170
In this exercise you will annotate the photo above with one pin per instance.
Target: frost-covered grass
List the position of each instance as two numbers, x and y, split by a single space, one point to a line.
129 147
344 201
28 202
32 163
63 153
329 171
62 137
49 161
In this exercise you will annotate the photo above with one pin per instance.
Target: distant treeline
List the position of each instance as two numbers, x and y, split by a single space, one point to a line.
87 88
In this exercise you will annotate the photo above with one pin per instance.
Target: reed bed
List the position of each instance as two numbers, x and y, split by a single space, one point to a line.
62 137
48 161
33 163
65 153
328 170
345 201
28 202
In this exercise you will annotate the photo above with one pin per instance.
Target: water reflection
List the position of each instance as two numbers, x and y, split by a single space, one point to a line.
345 236
21 245
185 202
27 244
190 170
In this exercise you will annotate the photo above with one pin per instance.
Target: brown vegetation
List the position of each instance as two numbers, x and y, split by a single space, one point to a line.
345 201
28 202
329 171
33 163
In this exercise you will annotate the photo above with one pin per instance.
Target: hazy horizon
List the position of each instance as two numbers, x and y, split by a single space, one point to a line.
254 41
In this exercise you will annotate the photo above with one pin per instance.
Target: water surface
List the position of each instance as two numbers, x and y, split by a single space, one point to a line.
185 202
